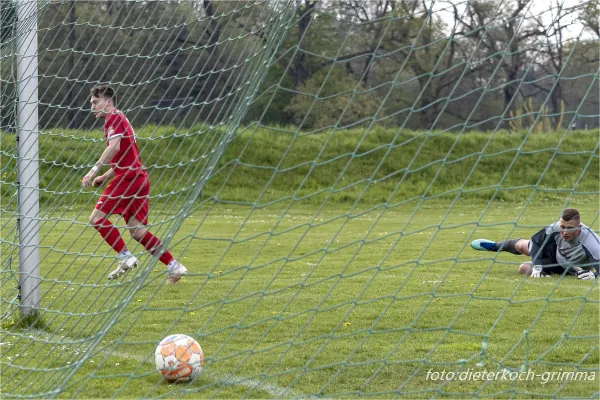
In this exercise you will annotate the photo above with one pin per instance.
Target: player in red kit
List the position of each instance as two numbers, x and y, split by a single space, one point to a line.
128 193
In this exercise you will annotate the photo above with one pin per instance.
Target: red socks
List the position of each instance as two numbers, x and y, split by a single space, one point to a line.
114 239
110 234
154 246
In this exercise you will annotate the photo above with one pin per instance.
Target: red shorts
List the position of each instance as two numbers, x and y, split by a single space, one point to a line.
127 197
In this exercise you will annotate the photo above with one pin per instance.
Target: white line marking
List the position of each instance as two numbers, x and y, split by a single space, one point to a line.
219 378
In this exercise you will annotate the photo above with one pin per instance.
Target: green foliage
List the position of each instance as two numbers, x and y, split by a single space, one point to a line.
333 98
167 60
272 104
8 19
8 67
187 62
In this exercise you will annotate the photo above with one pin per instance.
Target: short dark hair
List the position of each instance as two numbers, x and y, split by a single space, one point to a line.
570 213
104 91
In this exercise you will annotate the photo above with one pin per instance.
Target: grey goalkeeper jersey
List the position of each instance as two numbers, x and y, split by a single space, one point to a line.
583 250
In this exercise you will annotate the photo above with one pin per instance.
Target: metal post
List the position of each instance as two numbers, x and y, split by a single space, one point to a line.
28 168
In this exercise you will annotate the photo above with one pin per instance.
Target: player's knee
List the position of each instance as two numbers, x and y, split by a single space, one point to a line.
137 233
96 221
522 246
525 268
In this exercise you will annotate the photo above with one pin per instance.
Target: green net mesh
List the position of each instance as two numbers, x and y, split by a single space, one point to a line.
321 169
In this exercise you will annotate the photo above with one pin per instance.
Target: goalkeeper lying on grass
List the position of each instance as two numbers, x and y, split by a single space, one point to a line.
566 246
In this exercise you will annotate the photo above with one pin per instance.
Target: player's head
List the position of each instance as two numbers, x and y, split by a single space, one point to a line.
570 224
103 99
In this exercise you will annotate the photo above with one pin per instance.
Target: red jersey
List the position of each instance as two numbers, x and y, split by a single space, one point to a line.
127 163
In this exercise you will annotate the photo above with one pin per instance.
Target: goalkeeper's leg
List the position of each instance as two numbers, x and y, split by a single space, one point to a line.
513 246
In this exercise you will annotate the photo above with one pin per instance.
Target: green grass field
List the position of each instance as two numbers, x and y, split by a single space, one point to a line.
325 265
309 302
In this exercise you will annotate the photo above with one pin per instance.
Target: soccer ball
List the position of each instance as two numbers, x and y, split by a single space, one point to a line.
179 358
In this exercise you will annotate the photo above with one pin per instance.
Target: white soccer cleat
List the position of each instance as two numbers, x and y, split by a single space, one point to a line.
124 267
176 274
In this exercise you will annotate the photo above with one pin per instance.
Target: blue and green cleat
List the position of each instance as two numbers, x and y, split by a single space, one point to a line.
484 245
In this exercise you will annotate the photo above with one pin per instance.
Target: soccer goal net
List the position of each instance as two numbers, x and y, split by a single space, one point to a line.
321 169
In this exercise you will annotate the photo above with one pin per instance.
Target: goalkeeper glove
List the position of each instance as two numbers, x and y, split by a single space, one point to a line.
537 271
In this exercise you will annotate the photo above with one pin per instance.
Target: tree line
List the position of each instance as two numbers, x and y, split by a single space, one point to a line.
480 64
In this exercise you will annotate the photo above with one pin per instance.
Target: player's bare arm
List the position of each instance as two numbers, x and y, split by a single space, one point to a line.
114 145
99 180
131 200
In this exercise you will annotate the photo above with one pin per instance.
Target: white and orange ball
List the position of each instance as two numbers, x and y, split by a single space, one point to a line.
179 358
